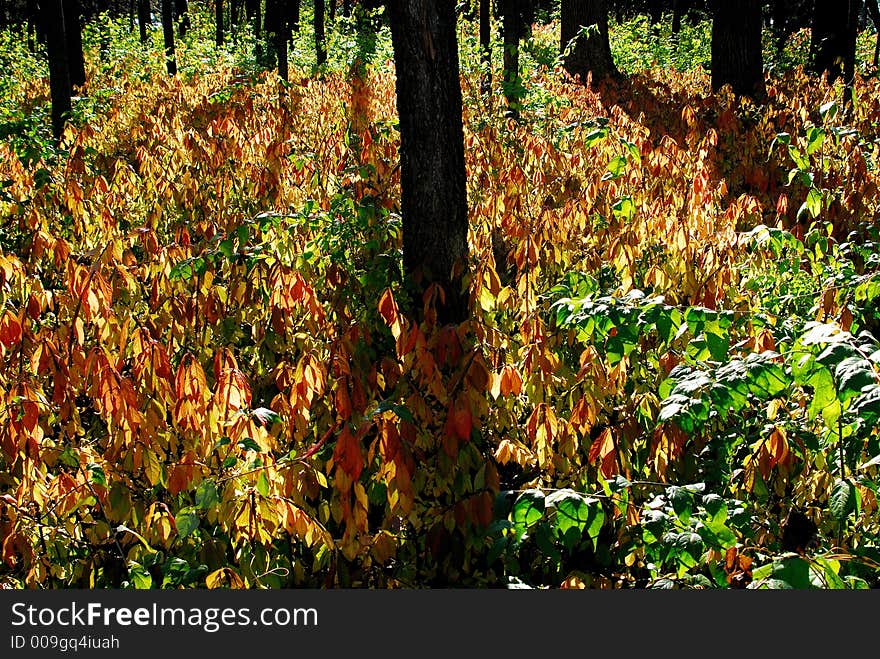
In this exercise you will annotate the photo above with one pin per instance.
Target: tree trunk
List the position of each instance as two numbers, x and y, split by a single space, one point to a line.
512 28
143 18
346 8
679 7
736 47
584 42
218 22
486 45
76 65
181 8
320 47
432 174
874 13
168 36
294 16
277 34
331 11
833 42
52 18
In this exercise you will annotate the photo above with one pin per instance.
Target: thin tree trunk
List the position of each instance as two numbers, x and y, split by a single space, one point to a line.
736 47
679 7
294 16
144 18
168 36
181 8
512 28
277 34
52 18
432 171
486 45
320 46
584 35
833 42
874 13
218 22
76 66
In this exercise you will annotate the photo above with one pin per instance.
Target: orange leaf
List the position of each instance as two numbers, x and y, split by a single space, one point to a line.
603 450
388 307
347 454
10 330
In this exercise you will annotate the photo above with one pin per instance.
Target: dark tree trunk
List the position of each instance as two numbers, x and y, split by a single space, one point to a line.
590 51
512 28
736 47
218 22
874 13
679 7
780 23
833 42
432 174
346 8
33 25
486 45
320 46
181 9
294 15
277 34
52 18
254 17
235 14
331 11
143 18
168 36
76 65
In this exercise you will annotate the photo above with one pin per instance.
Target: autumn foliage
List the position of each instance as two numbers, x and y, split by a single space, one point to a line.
211 374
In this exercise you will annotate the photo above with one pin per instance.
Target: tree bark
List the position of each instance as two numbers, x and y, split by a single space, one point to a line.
294 15
833 41
874 13
52 18
181 8
320 46
143 7
737 59
432 174
168 36
277 34
588 51
73 37
218 22
512 28
486 45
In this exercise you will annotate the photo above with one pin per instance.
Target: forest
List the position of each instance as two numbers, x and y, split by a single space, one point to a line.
404 294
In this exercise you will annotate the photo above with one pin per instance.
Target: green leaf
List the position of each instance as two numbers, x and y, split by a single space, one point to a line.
187 521
682 503
853 374
787 572
527 509
263 484
596 136
624 208
616 167
206 495
842 501
812 205
572 511
265 416
138 576
96 473
249 444
815 139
